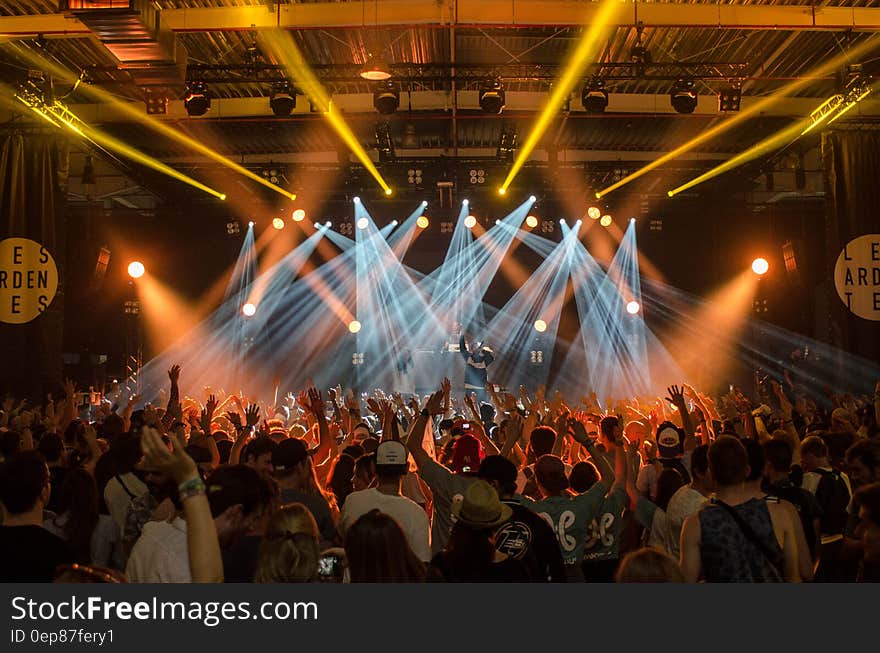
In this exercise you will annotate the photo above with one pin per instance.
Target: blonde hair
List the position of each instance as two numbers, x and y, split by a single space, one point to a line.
647 565
289 552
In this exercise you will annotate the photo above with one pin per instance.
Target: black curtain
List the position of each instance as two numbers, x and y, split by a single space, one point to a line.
851 160
33 196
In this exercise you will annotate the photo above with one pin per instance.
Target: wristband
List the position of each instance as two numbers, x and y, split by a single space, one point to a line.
191 488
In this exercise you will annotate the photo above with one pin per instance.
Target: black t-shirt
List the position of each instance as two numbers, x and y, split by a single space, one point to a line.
29 554
527 537
806 504
240 559
508 570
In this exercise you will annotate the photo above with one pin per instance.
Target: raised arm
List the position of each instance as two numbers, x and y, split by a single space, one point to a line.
203 546
606 474
419 427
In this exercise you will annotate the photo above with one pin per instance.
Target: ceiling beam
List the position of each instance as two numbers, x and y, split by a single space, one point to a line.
484 13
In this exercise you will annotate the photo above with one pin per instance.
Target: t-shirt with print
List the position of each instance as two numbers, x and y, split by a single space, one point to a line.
603 537
445 486
570 518
527 537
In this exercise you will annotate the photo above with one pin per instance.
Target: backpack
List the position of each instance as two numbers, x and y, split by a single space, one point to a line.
833 497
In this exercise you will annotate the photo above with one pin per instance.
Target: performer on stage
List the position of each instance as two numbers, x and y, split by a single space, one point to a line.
477 358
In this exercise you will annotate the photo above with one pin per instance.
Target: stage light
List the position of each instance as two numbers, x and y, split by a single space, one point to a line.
299 215
594 96
579 221
422 222
492 96
251 224
683 97
278 223
561 220
605 221
540 326
730 98
317 225
248 310
424 203
356 199
594 213
354 326
533 199
362 223
497 221
465 201
197 100
386 97
760 266
328 224
532 222
470 222
282 101
633 307
375 70
502 190
394 223
136 269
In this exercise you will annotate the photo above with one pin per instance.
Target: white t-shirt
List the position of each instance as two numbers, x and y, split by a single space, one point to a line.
160 555
811 480
118 500
685 502
411 517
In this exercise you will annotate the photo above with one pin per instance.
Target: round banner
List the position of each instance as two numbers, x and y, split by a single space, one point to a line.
28 280
857 276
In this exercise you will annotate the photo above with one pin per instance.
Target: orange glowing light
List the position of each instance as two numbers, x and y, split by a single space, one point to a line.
136 269
299 215
605 221
278 223
532 222
760 266
354 326
423 222
470 222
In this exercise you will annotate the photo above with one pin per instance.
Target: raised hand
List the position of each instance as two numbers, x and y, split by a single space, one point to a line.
446 387
578 431
174 462
174 374
252 415
315 403
435 403
675 395
234 419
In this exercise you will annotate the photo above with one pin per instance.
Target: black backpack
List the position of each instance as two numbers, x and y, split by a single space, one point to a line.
833 497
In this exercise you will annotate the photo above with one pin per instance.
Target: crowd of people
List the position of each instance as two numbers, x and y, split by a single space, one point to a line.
511 487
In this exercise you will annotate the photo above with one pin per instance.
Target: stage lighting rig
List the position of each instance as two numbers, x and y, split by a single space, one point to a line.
594 96
282 101
384 142
376 69
492 98
683 96
730 98
386 97
506 144
197 99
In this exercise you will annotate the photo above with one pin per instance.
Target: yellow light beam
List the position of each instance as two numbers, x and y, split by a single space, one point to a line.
134 112
285 51
586 50
59 115
755 109
778 139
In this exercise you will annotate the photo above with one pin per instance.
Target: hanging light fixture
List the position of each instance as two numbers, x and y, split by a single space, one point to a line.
197 100
386 97
376 69
492 98
282 101
683 96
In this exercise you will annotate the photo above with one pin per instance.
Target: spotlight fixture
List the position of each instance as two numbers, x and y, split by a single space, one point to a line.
594 96
356 199
465 201
362 223
532 222
389 191
278 223
354 326
197 100
497 221
386 97
328 224
594 213
375 69
251 224
232 228
605 221
492 96
136 269
533 199
299 215
760 266
683 96
561 220
424 202
540 326
729 98
394 223
502 191
423 222
282 101
248 310
470 222
633 308
477 176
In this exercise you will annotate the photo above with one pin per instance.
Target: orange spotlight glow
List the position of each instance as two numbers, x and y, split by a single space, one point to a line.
540 326
136 269
532 222
760 266
470 222
389 191
502 191
299 215
248 310
423 222
633 308
594 213
354 326
605 221
278 223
